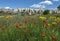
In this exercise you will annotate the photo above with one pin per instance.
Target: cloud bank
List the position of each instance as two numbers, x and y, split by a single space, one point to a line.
37 6
43 4
46 2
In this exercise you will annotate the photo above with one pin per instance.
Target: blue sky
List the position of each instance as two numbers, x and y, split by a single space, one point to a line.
29 3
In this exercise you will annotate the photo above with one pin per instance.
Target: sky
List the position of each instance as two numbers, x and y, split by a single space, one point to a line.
48 4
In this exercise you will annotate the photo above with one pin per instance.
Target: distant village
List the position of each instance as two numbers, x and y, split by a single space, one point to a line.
28 11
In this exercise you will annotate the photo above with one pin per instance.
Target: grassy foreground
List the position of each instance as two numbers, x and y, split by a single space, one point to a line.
30 28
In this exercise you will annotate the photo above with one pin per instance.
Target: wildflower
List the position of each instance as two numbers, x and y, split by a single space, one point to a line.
58 18
35 22
51 17
14 22
27 31
8 16
53 37
54 23
25 21
32 19
17 24
3 28
44 21
43 35
47 24
42 17
55 19
2 16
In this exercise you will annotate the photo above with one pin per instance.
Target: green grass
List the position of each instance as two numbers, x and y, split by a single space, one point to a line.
16 29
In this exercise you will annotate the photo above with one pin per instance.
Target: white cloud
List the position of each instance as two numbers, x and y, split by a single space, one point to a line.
37 6
55 0
42 4
7 8
47 2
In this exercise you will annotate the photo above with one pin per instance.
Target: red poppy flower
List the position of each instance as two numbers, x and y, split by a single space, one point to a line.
35 22
53 37
47 24
33 19
44 21
43 35
2 28
27 31
17 24
25 21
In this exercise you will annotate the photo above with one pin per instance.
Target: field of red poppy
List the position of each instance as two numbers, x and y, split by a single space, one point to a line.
30 28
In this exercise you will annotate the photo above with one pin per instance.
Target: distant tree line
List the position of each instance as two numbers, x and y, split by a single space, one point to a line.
45 12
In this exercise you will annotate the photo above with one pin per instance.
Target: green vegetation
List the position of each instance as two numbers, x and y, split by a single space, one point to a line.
30 28
46 12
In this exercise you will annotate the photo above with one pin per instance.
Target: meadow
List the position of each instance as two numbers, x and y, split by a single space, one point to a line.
30 28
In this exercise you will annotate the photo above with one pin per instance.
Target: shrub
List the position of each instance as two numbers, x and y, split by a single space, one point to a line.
46 12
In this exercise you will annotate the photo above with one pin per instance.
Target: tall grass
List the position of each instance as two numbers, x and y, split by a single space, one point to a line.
29 28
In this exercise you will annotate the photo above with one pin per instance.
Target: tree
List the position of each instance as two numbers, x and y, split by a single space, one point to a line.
58 7
46 12
1 11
